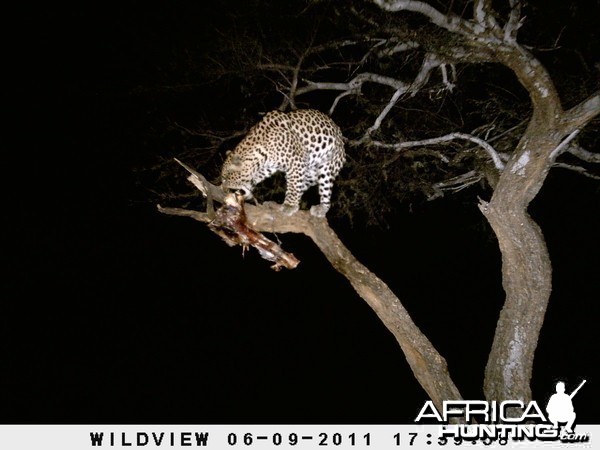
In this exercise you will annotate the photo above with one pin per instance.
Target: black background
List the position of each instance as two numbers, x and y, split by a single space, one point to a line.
114 313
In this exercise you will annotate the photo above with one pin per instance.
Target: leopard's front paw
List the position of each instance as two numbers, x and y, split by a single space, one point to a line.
288 210
319 210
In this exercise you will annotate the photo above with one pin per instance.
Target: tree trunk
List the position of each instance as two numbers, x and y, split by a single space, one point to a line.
526 268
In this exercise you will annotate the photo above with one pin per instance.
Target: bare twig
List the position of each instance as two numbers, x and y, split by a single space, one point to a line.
441 139
449 84
450 22
583 154
514 22
340 44
216 137
455 184
563 145
352 85
580 170
429 62
338 98
482 13
209 190
398 48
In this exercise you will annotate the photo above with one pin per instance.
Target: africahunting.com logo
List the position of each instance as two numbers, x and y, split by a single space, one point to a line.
508 420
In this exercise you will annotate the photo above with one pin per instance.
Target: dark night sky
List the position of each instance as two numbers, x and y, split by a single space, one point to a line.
116 314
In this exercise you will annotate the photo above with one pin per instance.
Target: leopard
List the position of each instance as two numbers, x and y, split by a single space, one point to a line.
305 144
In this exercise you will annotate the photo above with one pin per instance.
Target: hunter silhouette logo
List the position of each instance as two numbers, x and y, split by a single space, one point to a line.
501 421
560 407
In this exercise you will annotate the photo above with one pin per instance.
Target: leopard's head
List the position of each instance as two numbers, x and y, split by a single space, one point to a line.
238 174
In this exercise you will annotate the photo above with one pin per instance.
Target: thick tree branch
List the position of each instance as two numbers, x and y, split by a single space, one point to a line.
581 114
536 80
427 364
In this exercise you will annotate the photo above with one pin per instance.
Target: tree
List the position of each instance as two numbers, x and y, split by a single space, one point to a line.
388 37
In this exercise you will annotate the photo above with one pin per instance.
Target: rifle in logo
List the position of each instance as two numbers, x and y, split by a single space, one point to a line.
572 394
560 407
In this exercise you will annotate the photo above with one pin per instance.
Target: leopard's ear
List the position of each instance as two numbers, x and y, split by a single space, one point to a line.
235 162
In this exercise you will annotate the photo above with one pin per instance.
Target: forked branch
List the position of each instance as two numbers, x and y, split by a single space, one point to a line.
229 222
427 364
